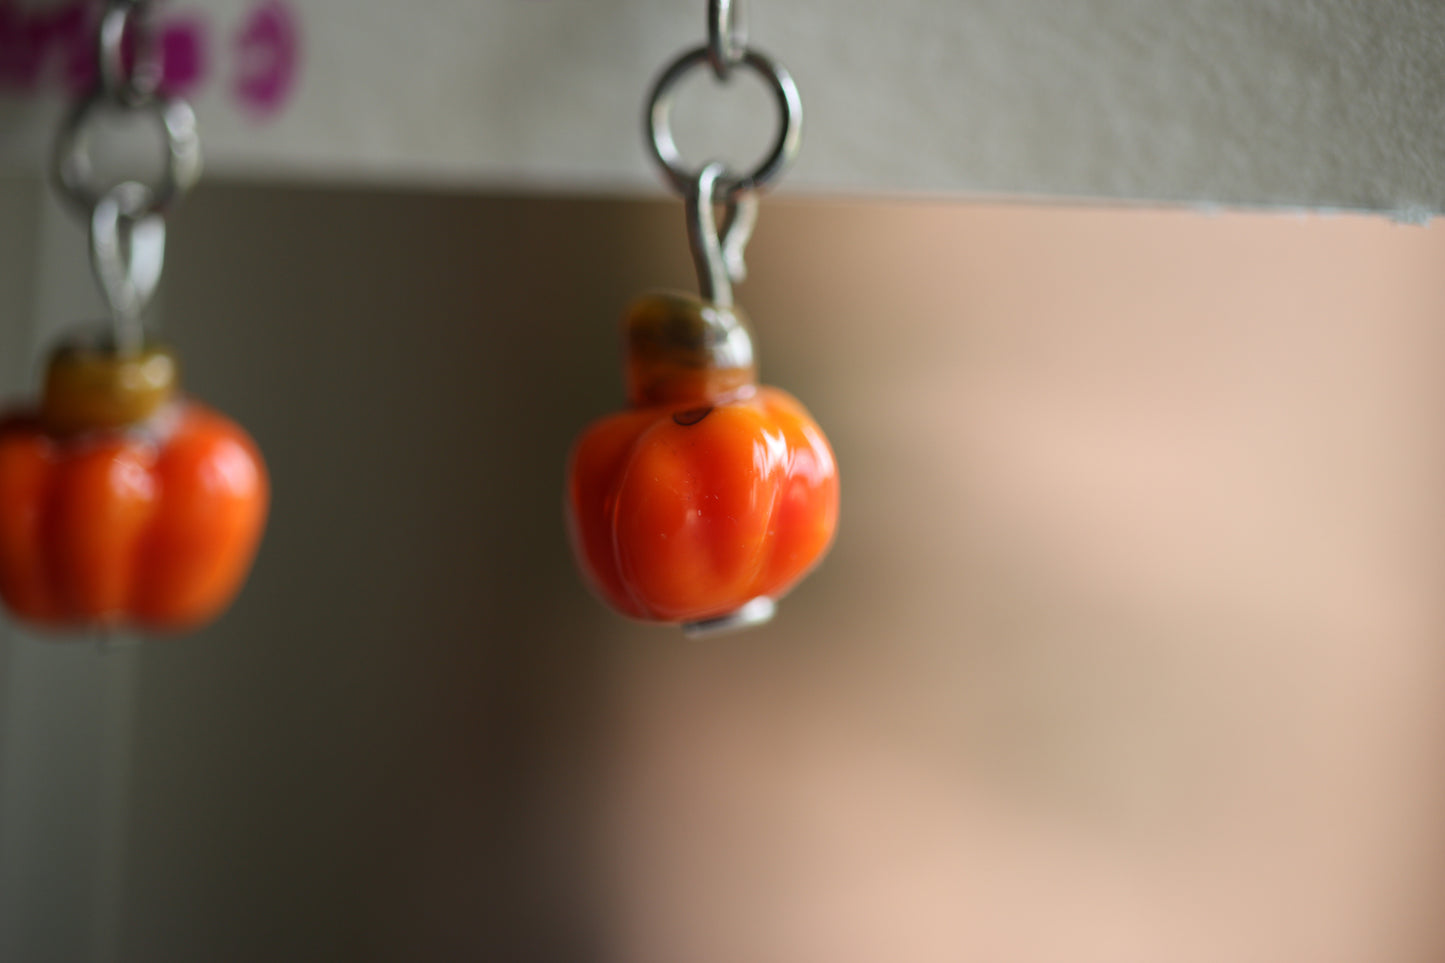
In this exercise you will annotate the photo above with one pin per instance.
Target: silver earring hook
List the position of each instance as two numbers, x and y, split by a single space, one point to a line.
126 219
717 249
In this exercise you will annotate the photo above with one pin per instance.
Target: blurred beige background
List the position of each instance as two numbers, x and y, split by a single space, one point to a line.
1130 648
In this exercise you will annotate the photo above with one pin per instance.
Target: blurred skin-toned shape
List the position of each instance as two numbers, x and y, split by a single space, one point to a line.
1129 648
1131 645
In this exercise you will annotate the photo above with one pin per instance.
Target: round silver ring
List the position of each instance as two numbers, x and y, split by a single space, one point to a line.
658 123
73 169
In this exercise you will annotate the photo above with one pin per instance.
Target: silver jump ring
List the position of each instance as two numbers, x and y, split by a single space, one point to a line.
137 85
74 171
658 123
727 36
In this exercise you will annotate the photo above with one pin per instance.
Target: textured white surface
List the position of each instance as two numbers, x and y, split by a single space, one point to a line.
1319 103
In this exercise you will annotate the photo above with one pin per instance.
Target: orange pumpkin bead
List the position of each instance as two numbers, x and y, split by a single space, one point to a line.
711 493
120 504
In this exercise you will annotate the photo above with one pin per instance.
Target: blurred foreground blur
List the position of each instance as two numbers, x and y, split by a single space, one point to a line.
1130 648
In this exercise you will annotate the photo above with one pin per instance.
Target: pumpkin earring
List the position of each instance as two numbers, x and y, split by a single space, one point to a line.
712 496
122 503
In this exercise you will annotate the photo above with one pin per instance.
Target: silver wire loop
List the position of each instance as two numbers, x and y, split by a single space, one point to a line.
727 36
717 250
658 123
751 615
127 251
137 85
74 170
741 216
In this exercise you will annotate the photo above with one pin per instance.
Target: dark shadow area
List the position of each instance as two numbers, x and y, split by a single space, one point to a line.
385 750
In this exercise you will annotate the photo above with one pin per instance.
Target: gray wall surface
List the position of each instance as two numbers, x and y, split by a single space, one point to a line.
1302 103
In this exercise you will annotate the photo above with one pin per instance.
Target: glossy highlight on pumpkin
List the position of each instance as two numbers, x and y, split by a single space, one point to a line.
117 509
711 491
